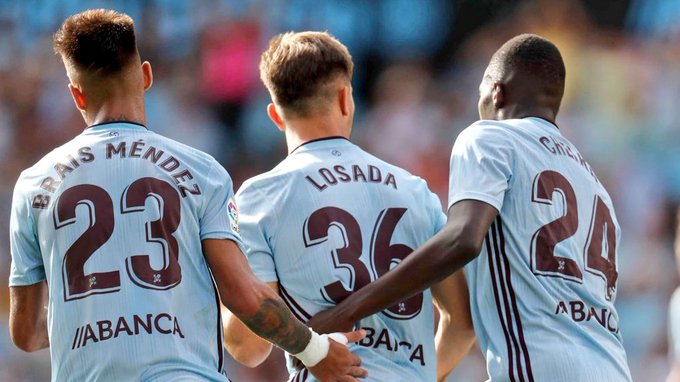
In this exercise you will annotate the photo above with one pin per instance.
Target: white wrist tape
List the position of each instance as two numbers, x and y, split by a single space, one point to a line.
317 348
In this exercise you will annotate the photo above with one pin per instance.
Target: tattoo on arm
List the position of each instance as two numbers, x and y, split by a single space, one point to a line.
274 322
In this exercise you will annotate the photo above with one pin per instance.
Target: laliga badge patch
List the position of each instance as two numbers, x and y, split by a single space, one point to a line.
232 211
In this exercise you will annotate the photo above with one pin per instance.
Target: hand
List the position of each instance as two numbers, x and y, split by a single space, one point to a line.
340 364
330 321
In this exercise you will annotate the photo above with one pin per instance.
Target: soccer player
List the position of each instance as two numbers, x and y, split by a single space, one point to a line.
330 218
120 232
535 227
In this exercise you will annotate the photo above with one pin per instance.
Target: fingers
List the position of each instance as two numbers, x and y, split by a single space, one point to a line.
356 371
356 360
354 336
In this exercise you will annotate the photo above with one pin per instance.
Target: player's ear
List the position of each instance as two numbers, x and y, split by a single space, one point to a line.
78 96
148 75
345 100
274 115
498 95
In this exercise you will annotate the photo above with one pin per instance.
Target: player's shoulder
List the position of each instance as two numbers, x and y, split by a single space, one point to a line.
489 129
45 165
268 183
202 164
186 151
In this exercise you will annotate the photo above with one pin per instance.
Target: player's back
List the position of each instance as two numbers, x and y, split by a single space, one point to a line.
542 291
116 213
328 220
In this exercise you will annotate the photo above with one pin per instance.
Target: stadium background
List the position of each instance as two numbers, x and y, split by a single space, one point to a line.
417 68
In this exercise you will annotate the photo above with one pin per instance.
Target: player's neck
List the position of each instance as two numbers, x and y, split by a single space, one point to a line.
116 110
521 111
301 132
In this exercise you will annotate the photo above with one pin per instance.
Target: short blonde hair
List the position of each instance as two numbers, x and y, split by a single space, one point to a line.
298 69
97 41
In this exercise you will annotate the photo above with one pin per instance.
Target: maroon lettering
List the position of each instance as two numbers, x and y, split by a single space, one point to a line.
561 308
577 312
118 150
49 184
545 141
62 170
176 329
368 340
89 335
72 161
318 186
328 176
155 155
593 313
343 176
391 181
383 339
122 325
85 154
157 324
185 191
374 174
136 149
41 201
105 331
356 171
75 339
171 164
182 176
138 322
418 355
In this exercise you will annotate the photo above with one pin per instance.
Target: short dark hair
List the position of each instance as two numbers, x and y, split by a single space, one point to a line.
97 41
532 55
297 69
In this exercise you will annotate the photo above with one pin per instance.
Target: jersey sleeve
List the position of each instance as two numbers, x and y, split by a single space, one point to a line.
220 217
254 213
481 166
27 262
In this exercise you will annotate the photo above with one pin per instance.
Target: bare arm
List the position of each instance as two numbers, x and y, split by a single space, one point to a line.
251 300
244 345
455 245
455 334
265 314
28 316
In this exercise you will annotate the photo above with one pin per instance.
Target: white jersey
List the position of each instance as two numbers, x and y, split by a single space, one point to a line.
542 290
113 220
330 219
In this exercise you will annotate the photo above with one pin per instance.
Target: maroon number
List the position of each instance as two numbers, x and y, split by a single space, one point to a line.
158 231
544 261
601 236
100 227
602 240
347 257
384 255
101 224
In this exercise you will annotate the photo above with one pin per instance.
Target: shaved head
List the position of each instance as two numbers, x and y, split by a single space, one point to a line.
531 71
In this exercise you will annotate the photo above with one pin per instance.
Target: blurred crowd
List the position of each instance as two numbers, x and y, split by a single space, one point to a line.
417 71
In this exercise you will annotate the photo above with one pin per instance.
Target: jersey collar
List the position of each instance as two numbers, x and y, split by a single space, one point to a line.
116 124
320 142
